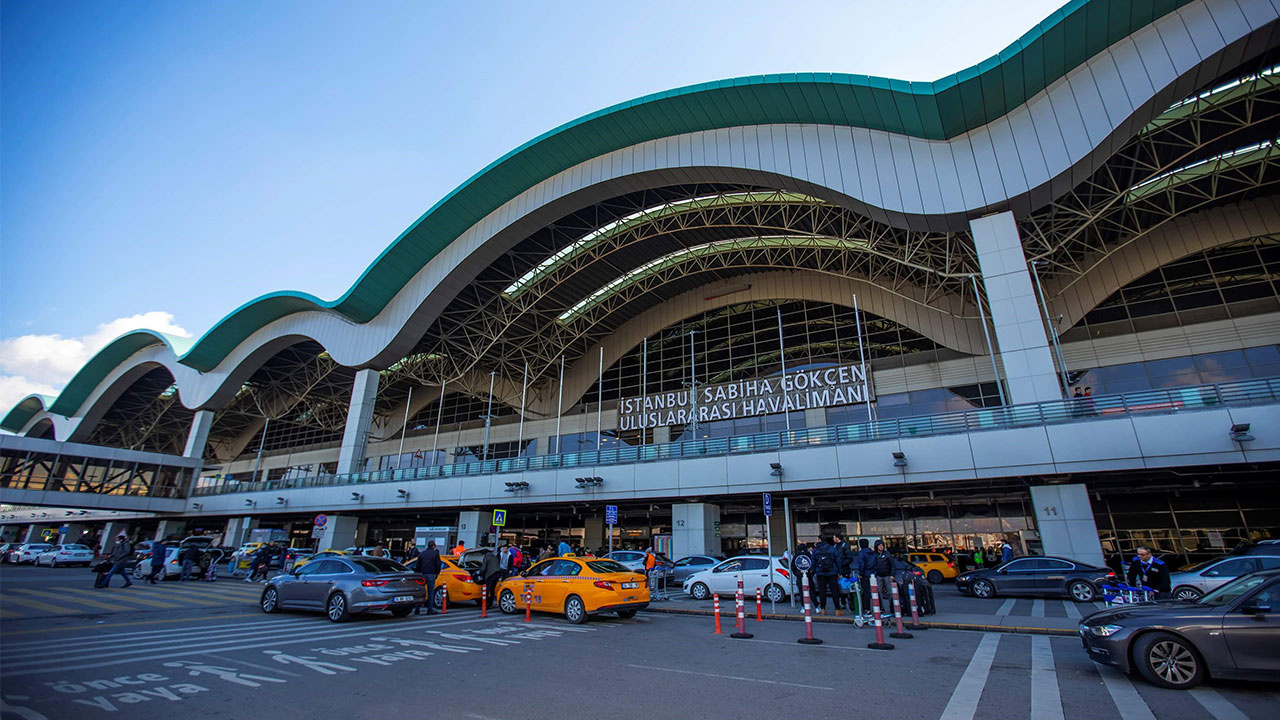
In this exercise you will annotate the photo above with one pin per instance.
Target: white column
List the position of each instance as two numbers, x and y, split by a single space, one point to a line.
72 534
170 527
1015 310
237 531
593 532
338 533
1064 517
33 533
198 435
694 529
109 532
359 417
469 528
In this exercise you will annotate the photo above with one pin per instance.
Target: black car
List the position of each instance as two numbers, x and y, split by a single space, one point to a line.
1041 576
1229 633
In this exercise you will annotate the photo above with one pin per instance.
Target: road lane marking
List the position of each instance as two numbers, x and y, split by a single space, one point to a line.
133 658
1037 608
1072 611
43 606
964 698
730 677
81 645
64 598
1219 707
1006 608
131 623
9 614
194 596
131 598
1046 699
1124 695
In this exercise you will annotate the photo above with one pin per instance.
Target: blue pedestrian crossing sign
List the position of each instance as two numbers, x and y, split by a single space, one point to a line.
611 514
499 518
768 505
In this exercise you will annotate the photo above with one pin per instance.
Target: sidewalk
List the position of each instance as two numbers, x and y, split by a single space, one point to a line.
986 621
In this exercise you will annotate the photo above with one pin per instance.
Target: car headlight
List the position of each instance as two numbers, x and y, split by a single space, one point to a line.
1104 630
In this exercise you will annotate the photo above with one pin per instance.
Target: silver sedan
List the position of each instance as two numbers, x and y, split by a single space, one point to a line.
1198 580
341 586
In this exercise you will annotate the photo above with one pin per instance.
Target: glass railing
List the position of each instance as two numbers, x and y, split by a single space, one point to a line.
1169 400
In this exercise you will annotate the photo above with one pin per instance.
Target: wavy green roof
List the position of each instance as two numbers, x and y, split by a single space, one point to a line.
935 110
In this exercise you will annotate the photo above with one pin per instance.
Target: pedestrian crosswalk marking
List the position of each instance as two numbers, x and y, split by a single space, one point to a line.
1072 611
1037 608
64 598
1217 705
131 597
1006 607
41 605
193 597
1124 695
1046 699
964 698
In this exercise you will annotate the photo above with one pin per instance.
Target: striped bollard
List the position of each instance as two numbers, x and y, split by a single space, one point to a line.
741 626
915 613
716 607
879 644
759 615
528 603
902 634
808 638
484 601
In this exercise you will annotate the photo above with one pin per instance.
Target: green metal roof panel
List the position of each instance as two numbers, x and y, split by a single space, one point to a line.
935 110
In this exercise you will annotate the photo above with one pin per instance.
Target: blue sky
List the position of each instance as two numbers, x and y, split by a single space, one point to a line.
162 163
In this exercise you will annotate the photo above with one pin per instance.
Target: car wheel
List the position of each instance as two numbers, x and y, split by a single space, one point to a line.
574 610
775 594
507 602
270 600
1168 661
934 576
137 572
1081 591
401 611
983 589
53 563
626 614
336 608
699 591
1186 592
438 597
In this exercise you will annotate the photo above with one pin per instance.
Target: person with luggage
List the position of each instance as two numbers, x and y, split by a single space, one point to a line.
158 553
190 558
1147 570
428 565
864 566
491 573
120 554
882 570
826 573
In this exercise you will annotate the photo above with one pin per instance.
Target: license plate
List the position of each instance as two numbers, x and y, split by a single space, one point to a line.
630 586
402 598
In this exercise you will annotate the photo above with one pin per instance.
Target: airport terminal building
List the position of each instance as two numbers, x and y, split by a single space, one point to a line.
1035 301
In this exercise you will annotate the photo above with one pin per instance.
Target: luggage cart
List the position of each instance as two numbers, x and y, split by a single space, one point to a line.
1122 594
658 585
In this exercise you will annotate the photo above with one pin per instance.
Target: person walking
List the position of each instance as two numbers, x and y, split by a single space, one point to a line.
119 557
428 565
1006 553
1147 570
491 571
460 548
865 565
826 571
158 554
504 560
190 557
261 563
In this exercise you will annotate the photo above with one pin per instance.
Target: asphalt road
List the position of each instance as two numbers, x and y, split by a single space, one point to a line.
204 650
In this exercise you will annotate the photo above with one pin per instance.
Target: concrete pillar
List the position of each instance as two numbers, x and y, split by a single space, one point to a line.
1015 310
1064 517
359 416
470 525
237 531
109 532
778 527
170 527
815 417
593 532
362 533
8 533
337 534
695 529
72 533
33 533
198 435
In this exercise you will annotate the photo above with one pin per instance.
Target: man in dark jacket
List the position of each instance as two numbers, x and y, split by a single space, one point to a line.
826 573
428 566
863 565
882 572
158 554
261 563
491 572
120 554
190 557
844 558
1147 570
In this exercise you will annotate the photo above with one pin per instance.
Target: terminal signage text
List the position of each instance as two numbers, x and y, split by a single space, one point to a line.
799 390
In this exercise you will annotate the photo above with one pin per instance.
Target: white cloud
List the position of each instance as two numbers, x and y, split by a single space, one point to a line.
44 363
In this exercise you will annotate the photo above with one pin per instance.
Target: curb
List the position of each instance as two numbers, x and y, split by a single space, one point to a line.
1012 629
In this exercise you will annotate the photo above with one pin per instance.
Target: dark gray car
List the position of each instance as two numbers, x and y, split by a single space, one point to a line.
686 566
1231 632
342 586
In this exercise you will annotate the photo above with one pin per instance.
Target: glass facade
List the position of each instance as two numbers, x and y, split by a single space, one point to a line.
1228 366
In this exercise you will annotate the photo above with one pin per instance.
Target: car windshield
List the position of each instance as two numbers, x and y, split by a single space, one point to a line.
608 566
377 565
1231 591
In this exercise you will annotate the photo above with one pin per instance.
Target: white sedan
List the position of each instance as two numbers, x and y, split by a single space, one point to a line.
70 554
770 575
27 552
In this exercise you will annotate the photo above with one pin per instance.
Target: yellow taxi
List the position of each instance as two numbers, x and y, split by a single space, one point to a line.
936 566
324 554
455 581
578 587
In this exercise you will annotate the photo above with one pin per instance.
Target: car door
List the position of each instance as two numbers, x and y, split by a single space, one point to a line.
755 574
556 585
532 580
317 584
1252 630
292 588
723 580
1219 574
1051 579
1019 577
690 565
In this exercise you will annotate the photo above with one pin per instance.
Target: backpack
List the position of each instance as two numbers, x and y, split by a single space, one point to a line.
517 558
824 561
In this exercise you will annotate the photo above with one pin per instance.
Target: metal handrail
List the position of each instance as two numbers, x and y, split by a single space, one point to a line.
1165 400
